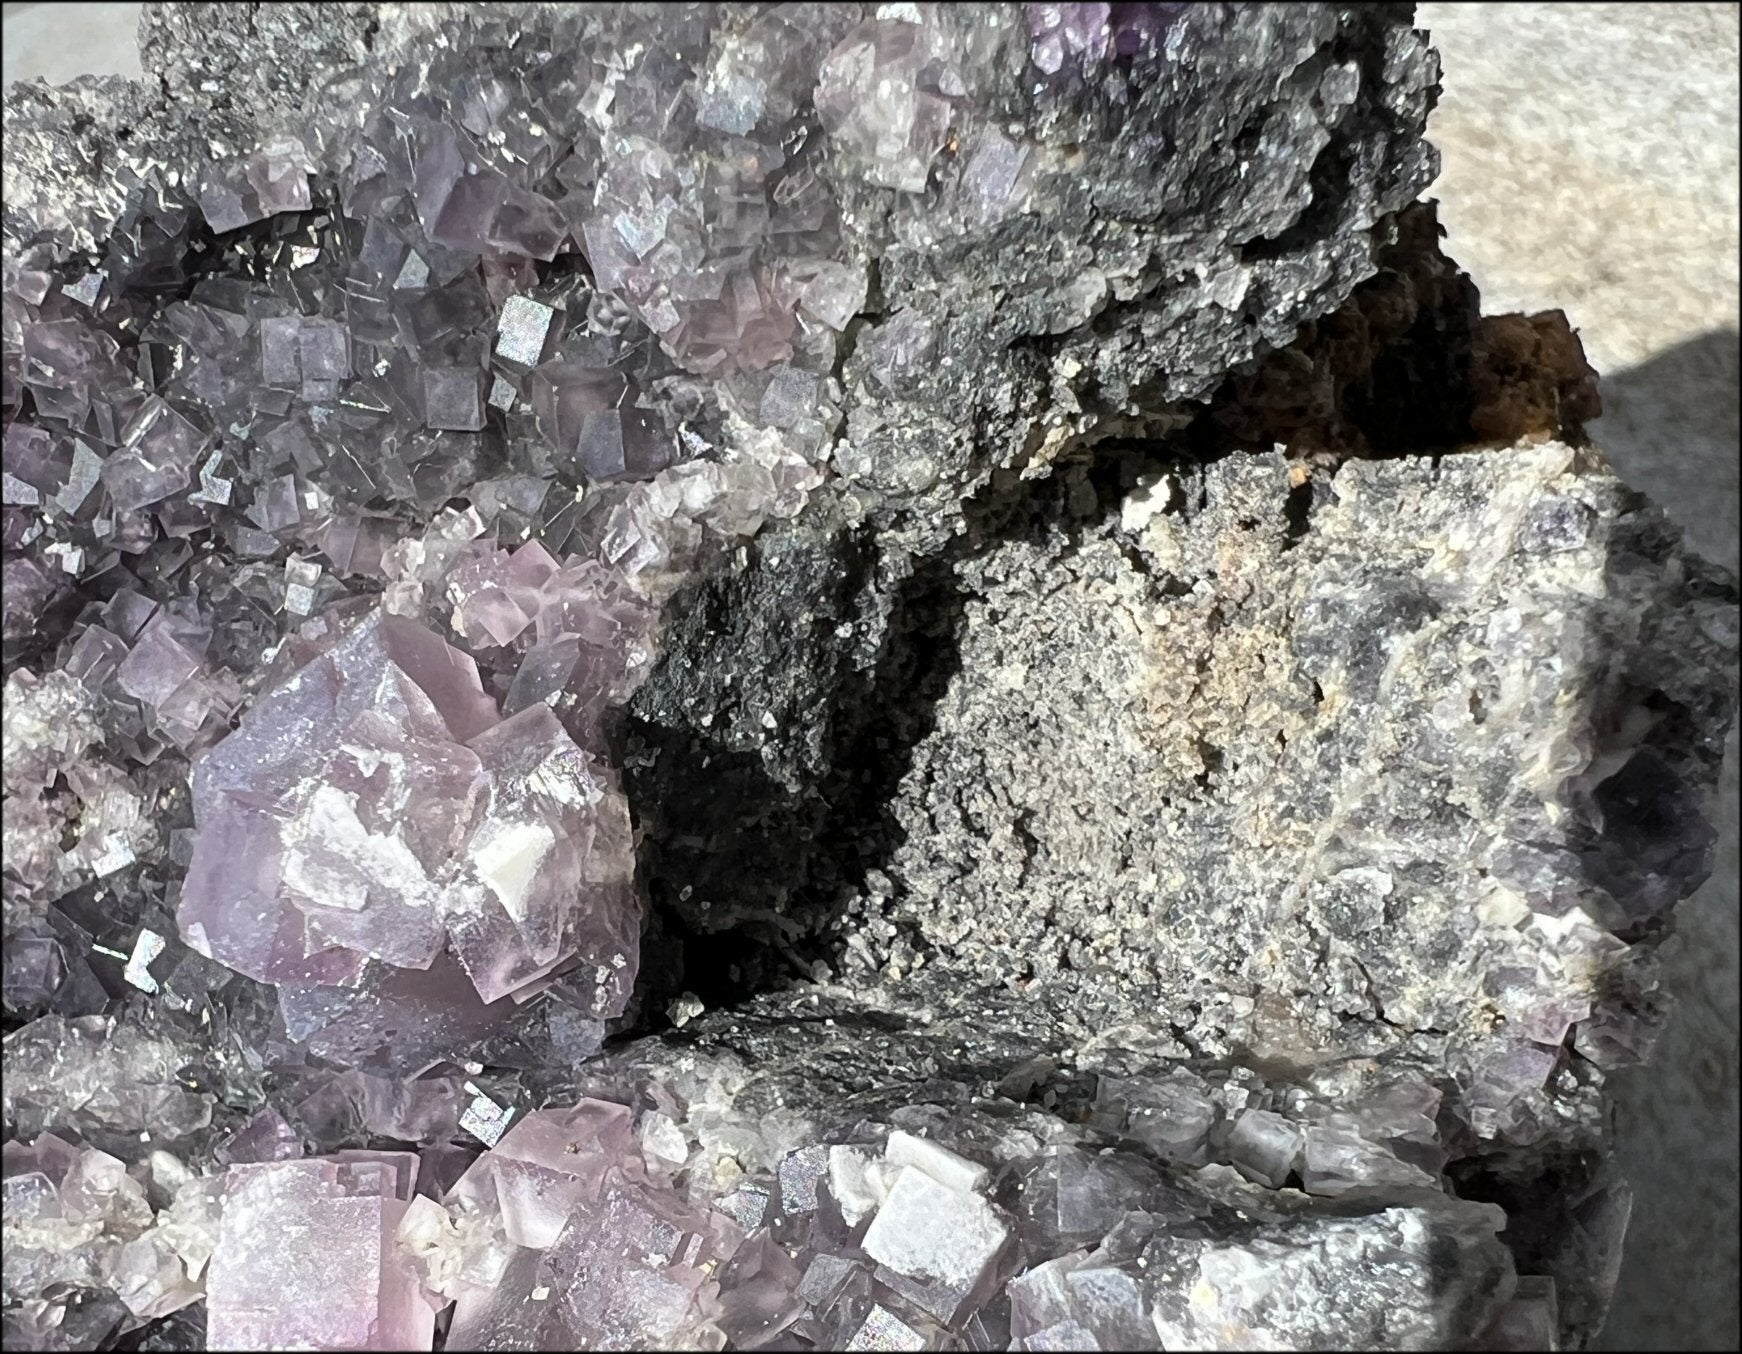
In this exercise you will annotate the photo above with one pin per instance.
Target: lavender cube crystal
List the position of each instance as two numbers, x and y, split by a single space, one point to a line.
454 398
617 444
324 349
95 657
528 224
308 1258
632 1270
274 914
226 205
135 481
265 1137
593 420
407 816
156 667
278 175
551 821
128 612
459 203
158 452
33 470
586 1247
547 1165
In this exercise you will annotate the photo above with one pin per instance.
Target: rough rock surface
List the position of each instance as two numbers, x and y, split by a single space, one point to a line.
1267 180
1159 755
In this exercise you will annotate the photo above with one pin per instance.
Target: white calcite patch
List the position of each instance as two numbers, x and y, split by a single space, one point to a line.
926 1230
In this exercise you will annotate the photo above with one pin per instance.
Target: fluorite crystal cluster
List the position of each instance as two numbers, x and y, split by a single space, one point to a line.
375 807
814 677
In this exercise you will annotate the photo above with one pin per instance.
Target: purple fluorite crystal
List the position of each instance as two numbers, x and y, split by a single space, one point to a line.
374 806
308 1257
560 1236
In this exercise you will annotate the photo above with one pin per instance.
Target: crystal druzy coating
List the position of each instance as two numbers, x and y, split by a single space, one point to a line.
811 677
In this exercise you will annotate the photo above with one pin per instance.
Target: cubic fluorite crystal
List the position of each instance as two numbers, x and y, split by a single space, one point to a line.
307 1257
374 806
819 677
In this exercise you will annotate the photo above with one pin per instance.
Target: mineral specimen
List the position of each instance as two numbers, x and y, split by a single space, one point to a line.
830 676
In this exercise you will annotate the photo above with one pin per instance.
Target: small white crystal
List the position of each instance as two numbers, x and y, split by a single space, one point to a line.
1153 496
301 578
117 855
662 1141
484 1119
929 1231
138 969
858 1182
71 557
941 1164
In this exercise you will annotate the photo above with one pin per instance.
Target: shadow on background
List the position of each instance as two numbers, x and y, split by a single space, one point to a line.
1671 427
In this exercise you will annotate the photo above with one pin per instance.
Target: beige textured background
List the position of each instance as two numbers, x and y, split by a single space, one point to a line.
1590 164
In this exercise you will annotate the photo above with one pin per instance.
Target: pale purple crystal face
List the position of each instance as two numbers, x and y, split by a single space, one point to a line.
884 94
156 458
308 1257
549 869
560 1238
323 820
374 814
77 1218
1077 38
574 635
1064 32
578 1231
591 421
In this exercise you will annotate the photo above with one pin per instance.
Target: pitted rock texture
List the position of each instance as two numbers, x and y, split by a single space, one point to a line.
1294 794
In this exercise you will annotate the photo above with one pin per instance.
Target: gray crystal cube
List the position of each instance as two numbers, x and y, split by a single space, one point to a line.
325 350
790 398
453 398
523 330
280 352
